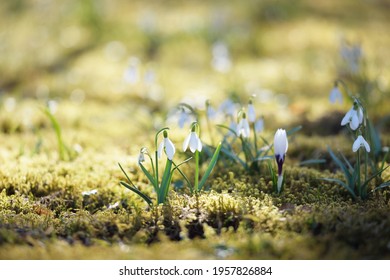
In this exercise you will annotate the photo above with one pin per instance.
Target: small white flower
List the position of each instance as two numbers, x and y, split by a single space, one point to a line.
168 145
193 141
251 113
335 95
354 117
280 142
228 107
184 118
280 149
360 142
243 127
210 111
141 156
259 125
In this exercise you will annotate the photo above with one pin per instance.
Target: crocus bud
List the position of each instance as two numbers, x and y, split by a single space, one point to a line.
280 148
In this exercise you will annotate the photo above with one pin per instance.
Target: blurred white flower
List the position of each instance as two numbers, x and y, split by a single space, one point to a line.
336 95
221 59
131 74
354 117
259 125
251 112
243 127
360 142
228 107
193 141
168 145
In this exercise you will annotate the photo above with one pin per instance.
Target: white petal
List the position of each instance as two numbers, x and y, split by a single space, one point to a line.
259 125
200 146
246 129
239 128
347 117
160 149
280 142
356 144
354 123
251 113
360 114
186 141
333 96
169 148
193 142
366 146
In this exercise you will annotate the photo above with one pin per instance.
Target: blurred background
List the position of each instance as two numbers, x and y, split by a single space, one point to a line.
110 69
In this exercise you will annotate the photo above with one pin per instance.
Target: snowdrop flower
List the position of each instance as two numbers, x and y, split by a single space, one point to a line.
131 74
354 117
168 145
280 148
193 141
243 127
228 107
211 113
221 60
251 112
184 117
360 142
141 156
259 125
335 95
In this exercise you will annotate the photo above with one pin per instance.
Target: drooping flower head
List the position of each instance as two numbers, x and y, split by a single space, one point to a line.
243 126
280 148
141 156
192 140
354 117
360 142
335 94
167 146
259 125
251 112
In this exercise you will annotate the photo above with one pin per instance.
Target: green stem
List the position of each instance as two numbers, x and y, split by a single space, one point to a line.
358 174
156 169
196 170
255 138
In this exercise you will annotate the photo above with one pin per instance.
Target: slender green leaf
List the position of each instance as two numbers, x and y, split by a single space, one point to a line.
124 172
181 172
333 180
374 175
165 181
57 129
149 176
228 128
312 161
347 163
138 192
383 185
294 130
340 164
263 158
234 157
210 167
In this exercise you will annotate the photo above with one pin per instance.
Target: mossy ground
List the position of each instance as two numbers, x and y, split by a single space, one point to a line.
77 56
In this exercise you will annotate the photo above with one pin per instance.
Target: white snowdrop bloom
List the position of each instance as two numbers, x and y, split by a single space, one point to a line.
53 106
221 60
360 142
354 117
168 145
141 156
184 118
335 95
193 141
259 125
228 107
243 127
251 112
280 148
210 111
131 74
